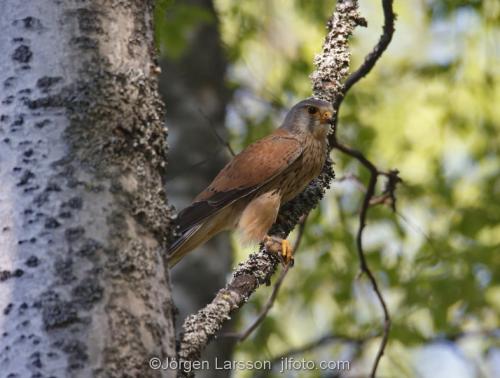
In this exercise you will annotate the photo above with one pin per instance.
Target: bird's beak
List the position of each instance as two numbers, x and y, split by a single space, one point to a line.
326 117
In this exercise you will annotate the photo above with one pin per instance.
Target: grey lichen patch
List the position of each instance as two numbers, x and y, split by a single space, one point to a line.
73 234
8 309
57 312
149 206
156 330
141 27
332 64
31 23
18 120
126 330
32 261
25 178
112 117
22 54
41 124
35 360
88 292
136 260
63 268
9 82
6 274
51 223
89 20
117 223
8 100
77 353
85 43
90 248
132 123
76 203
52 101
45 83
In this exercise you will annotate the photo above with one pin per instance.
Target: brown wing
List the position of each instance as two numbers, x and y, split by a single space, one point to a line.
247 172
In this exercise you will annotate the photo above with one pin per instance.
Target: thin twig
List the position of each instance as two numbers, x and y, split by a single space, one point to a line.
364 265
216 133
368 200
378 50
370 192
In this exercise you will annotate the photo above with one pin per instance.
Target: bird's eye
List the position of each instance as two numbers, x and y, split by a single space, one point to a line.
312 110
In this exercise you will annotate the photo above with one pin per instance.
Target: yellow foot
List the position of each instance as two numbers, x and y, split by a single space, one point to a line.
279 246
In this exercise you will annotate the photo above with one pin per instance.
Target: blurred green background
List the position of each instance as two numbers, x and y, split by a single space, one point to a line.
430 108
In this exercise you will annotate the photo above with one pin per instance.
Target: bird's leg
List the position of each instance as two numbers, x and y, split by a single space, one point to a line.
280 246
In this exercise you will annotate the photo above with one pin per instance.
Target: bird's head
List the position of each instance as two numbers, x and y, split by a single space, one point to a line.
310 115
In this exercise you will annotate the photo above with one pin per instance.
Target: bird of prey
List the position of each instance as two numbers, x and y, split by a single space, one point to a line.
248 192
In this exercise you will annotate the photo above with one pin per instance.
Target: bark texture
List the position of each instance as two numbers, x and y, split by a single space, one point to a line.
83 213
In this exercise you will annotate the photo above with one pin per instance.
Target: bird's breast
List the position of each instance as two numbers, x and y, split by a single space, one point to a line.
295 179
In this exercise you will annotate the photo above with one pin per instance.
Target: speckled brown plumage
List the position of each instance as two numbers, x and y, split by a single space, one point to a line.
248 191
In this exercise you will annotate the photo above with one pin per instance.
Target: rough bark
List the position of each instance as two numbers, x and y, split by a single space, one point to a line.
83 213
194 87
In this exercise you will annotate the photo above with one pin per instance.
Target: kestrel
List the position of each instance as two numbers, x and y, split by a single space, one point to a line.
248 192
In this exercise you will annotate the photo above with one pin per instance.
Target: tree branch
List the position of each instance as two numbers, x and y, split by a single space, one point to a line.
332 66
242 336
378 50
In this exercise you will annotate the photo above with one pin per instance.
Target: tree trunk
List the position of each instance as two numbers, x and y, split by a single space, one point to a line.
83 213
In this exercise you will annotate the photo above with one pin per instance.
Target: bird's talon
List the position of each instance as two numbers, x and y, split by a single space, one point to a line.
281 247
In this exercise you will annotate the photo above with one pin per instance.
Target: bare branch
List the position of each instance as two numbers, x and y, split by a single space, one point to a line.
369 200
378 50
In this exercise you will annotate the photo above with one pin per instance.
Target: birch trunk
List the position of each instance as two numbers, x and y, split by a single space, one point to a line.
83 213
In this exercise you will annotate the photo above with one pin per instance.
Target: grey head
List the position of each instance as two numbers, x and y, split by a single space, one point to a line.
309 115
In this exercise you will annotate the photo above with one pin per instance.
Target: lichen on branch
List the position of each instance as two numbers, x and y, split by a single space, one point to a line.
332 64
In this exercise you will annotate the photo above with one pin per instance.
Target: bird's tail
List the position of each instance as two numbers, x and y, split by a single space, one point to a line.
189 240
199 232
